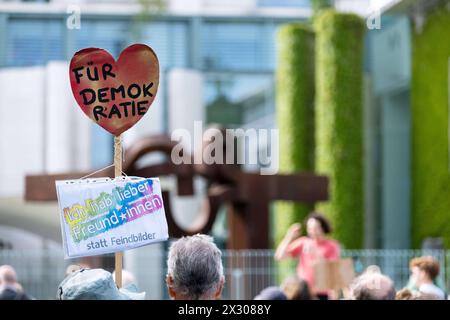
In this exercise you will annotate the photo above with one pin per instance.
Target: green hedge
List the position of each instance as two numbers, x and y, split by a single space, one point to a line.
430 158
339 151
295 118
295 121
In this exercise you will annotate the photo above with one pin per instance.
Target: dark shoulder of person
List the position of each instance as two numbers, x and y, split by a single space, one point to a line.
23 296
9 294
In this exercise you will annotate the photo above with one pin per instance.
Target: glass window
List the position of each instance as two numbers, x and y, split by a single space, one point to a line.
107 35
240 99
169 40
34 41
236 46
101 147
243 101
284 3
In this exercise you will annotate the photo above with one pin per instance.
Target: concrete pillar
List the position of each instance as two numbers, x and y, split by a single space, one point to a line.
152 122
67 128
185 99
186 110
21 127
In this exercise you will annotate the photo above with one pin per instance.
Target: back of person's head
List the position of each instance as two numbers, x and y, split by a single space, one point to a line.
372 269
76 267
72 268
406 294
8 275
194 269
271 293
95 284
372 286
296 289
427 264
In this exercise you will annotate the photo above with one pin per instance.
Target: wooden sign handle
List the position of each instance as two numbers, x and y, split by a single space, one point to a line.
118 173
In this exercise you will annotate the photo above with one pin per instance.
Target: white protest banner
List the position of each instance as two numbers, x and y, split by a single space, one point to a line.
104 215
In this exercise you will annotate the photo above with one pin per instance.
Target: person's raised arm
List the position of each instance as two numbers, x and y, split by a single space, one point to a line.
292 234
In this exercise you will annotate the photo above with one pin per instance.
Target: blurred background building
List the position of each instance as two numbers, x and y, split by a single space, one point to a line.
218 60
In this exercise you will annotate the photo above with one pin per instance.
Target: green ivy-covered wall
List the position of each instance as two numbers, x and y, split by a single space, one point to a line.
430 139
338 114
295 117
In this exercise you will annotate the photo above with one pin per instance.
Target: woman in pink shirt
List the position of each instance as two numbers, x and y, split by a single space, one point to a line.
309 249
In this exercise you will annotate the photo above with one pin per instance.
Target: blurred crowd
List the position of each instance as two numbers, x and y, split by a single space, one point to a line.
195 272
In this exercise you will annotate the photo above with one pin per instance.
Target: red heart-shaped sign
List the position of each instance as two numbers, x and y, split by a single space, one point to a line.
115 94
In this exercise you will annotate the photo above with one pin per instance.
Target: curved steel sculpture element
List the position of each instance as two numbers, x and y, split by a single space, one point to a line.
246 195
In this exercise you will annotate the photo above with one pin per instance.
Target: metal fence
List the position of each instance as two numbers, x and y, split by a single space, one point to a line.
247 272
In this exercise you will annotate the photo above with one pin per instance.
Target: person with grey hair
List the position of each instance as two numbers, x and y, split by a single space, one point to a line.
372 285
194 269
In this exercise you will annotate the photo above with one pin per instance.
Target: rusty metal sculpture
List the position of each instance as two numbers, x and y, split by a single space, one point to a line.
247 195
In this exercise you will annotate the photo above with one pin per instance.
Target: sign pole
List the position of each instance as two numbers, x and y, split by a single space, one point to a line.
118 173
136 68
